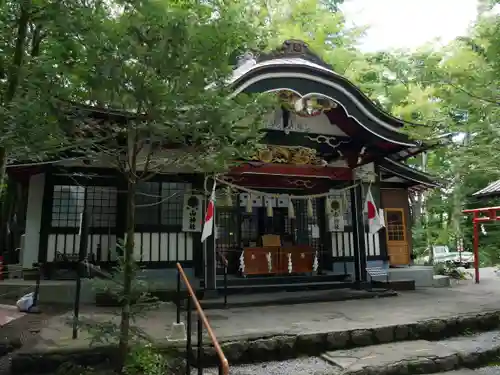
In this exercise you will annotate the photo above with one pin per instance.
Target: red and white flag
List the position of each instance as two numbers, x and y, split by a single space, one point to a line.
208 225
375 223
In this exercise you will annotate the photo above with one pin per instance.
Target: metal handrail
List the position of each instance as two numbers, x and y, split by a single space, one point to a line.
224 364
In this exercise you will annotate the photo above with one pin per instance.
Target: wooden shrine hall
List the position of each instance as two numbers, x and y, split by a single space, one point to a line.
297 208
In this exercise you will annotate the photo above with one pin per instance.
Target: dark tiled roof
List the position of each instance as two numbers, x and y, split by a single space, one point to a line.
492 189
412 175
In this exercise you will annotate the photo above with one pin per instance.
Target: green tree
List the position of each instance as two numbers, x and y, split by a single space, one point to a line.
164 66
41 42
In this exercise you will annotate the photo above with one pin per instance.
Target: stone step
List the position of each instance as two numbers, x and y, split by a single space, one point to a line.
293 297
419 356
466 371
403 358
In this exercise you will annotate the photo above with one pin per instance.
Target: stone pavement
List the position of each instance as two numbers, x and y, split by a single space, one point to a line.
259 322
8 313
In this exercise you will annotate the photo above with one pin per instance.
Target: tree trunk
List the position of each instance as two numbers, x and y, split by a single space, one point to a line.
127 276
15 74
425 214
8 206
3 166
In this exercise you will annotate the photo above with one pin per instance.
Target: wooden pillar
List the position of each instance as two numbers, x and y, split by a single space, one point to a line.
358 234
377 196
45 225
358 224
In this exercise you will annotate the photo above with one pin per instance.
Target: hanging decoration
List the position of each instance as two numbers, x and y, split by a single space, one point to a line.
269 208
310 211
291 210
249 203
315 262
264 194
229 197
269 262
335 214
290 266
270 197
270 202
242 262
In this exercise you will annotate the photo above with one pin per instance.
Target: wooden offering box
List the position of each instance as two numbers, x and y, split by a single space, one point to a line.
278 260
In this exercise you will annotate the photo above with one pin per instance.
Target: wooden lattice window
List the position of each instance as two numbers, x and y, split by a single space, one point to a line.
160 203
395 223
68 203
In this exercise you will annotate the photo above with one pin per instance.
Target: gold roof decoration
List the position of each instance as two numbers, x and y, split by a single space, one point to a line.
307 106
297 155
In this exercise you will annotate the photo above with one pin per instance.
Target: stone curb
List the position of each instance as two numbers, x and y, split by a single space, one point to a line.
283 346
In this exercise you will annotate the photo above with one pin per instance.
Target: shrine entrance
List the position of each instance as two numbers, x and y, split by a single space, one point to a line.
264 241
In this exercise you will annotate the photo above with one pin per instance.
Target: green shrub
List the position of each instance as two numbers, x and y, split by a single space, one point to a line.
145 360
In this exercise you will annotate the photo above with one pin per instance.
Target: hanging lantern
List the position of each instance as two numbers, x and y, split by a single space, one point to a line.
310 211
291 209
229 197
249 204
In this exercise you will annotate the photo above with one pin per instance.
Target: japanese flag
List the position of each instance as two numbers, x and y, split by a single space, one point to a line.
208 225
375 223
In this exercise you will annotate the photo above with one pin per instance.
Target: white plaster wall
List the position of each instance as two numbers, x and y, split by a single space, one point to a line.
29 254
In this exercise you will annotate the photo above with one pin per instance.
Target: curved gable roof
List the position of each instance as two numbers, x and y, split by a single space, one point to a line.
294 67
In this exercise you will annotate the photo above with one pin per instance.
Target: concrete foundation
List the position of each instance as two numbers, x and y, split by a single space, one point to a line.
423 275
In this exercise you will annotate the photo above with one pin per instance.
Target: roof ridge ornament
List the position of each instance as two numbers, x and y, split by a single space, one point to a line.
245 58
295 48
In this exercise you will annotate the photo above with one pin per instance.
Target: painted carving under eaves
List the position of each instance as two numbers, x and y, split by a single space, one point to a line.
305 106
288 155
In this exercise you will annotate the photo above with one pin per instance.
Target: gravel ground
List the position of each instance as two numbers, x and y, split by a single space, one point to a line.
309 366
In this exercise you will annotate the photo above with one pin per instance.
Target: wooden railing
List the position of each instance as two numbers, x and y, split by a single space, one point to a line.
202 322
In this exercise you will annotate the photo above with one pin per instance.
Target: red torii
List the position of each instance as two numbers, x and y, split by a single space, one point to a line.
493 215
